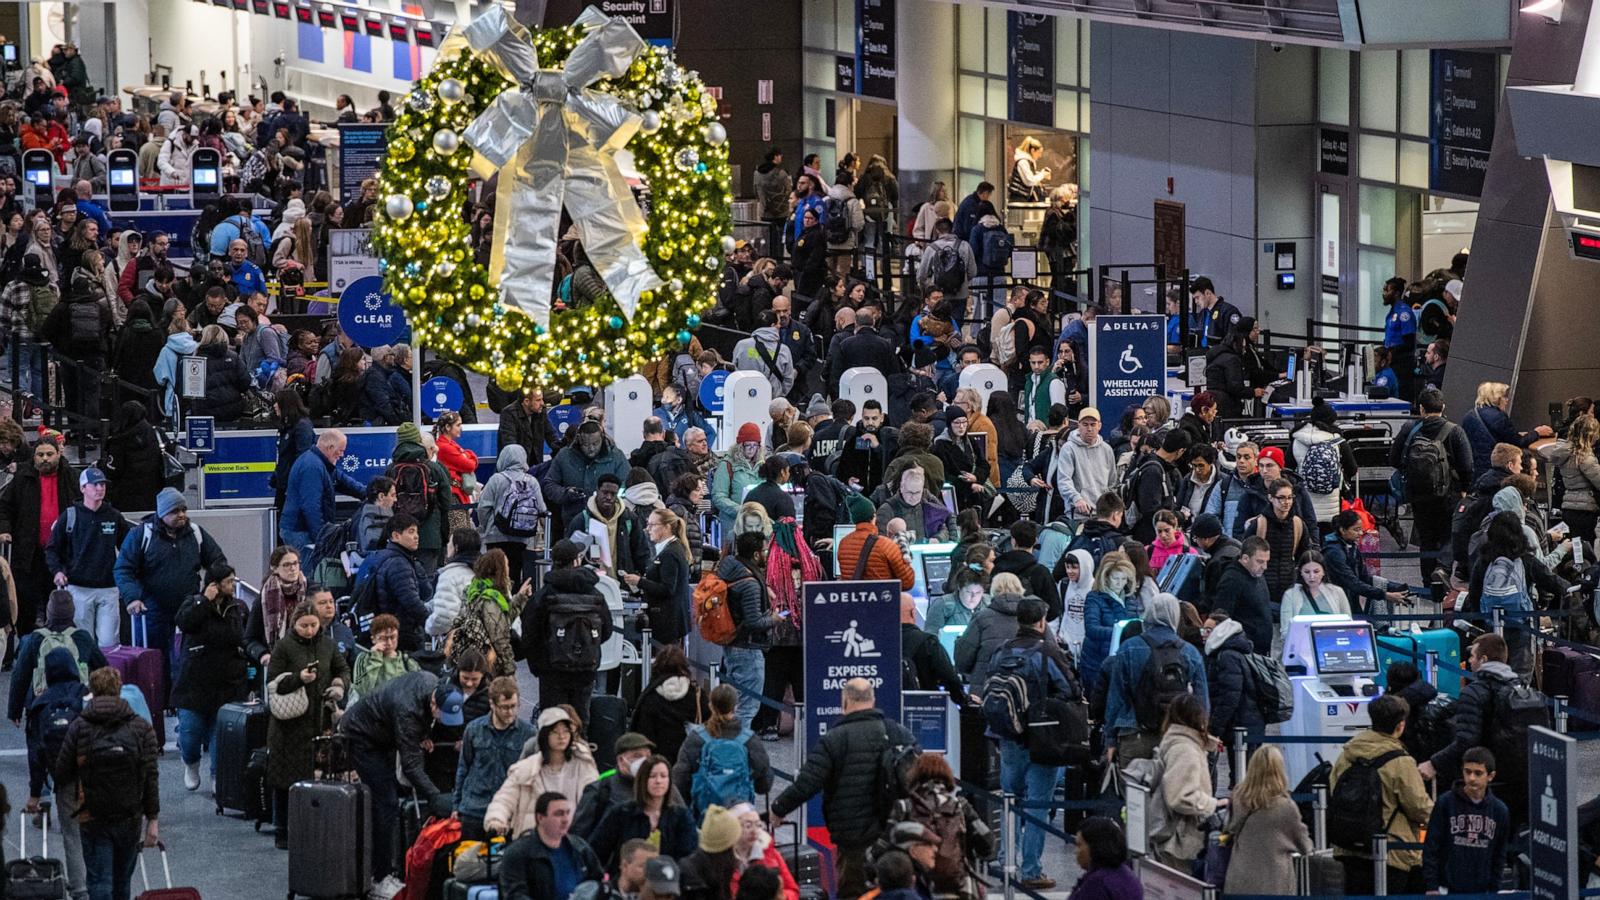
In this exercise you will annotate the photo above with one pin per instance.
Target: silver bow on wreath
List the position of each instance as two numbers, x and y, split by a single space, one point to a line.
553 139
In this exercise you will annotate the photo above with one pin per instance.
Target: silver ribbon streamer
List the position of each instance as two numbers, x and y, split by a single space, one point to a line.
553 140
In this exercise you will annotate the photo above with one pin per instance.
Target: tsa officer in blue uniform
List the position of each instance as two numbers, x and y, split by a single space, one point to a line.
1216 316
1400 335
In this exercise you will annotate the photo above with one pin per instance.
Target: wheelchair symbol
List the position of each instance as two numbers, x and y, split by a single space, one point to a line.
1129 363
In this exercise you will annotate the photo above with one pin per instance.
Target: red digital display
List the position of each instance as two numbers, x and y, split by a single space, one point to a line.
241 5
1586 246
375 27
424 34
263 7
304 14
281 10
399 32
325 18
350 21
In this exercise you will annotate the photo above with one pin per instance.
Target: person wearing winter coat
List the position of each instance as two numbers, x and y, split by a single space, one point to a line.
379 404
290 758
1103 608
1266 829
1102 854
138 347
1489 423
734 473
1475 724
773 186
930 797
25 670
1234 702
63 697
433 531
179 344
747 356
401 582
510 469
488 611
652 814
1468 832
1126 737
1347 569
555 760
1022 561
1404 806
670 703
226 379
296 435
133 464
490 746
1086 466
1185 784
750 604
724 724
383 662
1311 593
756 848
214 669
990 628
450 589
570 577
460 463
948 252
574 474
1321 427
1169 542
1242 593
854 212
314 481
528 868
1225 375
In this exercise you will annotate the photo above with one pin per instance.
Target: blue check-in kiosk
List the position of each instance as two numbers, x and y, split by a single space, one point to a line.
122 180
1338 659
38 169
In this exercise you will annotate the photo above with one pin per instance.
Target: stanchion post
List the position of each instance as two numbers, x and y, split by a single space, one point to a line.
1319 816
1431 660
1380 864
1008 845
646 651
1561 713
1238 758
1497 620
1302 874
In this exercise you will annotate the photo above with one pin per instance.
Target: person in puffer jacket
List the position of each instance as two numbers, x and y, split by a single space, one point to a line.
1320 427
454 576
1228 677
1103 608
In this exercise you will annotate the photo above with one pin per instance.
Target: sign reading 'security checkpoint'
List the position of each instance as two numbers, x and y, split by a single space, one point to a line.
852 630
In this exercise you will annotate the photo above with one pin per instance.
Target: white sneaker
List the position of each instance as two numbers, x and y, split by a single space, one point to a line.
191 776
386 889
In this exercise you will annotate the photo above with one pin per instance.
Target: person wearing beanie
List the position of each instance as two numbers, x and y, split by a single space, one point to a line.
29 674
709 872
569 580
422 489
1321 426
157 568
81 554
737 472
883 557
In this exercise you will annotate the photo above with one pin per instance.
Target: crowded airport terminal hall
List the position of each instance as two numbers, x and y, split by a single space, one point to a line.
799 449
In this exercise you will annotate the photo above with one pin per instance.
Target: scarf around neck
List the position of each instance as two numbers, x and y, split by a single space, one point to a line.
278 599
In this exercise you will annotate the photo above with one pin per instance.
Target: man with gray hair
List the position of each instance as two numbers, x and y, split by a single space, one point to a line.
400 378
845 767
313 481
1136 706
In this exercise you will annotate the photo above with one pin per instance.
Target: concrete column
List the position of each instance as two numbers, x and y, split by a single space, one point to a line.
926 98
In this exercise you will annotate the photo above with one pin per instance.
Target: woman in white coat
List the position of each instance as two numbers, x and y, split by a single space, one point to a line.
1311 593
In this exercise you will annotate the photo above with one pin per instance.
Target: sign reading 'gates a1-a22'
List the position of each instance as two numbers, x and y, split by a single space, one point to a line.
852 630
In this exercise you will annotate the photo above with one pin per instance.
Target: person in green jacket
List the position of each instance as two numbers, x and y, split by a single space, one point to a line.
384 662
736 473
434 524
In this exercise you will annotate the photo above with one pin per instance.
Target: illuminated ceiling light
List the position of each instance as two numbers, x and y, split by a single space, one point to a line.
1549 9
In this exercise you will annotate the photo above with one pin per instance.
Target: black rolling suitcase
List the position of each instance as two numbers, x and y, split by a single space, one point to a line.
36 877
241 730
608 720
330 839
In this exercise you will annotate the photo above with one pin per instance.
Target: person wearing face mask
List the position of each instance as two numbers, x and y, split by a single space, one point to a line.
575 473
615 785
555 760
312 661
29 505
619 532
738 471
928 521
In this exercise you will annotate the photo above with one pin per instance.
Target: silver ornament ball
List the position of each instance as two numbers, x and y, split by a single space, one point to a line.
473 320
716 134
397 207
729 244
451 90
438 187
687 159
420 100
676 284
446 141
651 123
445 268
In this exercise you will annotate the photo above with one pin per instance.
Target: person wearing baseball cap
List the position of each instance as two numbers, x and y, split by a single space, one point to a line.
1086 465
82 555
615 786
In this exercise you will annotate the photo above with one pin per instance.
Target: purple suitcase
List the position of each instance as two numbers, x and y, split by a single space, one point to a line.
143 668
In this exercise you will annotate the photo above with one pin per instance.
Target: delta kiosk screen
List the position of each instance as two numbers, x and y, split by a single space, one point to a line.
935 572
1344 649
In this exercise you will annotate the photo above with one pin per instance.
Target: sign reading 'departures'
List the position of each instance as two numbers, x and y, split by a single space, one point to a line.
1127 362
1032 82
852 630
875 49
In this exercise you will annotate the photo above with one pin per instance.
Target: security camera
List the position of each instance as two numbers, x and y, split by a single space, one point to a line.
1277 48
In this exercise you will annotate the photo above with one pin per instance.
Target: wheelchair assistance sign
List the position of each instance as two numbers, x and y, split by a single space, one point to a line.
852 630
1127 362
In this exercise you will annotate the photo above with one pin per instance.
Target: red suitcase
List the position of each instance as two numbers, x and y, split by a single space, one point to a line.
143 668
169 892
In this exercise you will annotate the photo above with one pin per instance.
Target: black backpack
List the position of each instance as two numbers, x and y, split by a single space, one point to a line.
894 769
837 228
1163 679
413 488
109 773
572 643
1427 465
1516 708
1464 522
949 269
84 334
1353 816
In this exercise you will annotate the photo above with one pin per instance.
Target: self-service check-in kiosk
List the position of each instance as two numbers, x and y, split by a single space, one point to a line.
122 182
38 169
983 378
863 383
1338 659
205 176
931 564
746 397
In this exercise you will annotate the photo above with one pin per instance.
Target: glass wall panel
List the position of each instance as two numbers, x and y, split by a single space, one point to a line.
1377 158
1379 89
1333 86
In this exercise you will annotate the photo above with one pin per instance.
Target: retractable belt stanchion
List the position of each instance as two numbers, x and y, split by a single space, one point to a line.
1380 863
1008 841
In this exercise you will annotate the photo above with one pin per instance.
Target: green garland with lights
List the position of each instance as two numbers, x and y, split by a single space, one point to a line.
427 262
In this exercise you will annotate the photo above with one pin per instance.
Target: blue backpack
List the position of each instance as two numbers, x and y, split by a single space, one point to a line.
724 774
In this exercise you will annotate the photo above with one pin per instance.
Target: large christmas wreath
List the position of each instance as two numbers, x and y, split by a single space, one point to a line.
422 235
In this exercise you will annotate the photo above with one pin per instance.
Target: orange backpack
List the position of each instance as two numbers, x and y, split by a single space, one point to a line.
711 611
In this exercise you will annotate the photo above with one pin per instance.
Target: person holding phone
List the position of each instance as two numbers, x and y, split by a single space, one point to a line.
215 668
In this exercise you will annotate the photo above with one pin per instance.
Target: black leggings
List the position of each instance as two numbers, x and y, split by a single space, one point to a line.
785 669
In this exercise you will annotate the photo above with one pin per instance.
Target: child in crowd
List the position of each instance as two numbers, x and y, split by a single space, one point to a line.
1169 540
383 662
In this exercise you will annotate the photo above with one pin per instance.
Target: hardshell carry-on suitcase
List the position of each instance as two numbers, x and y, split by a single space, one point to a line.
1413 646
460 890
143 668
330 839
36 877
608 720
1575 675
1180 576
241 730
169 892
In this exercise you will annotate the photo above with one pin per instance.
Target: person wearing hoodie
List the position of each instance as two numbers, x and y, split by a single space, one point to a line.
450 588
765 343
1132 723
1233 688
49 714
1086 466
1022 561
1077 581
180 343
1465 848
1404 805
30 675
569 583
510 473
670 704
1115 581
607 523
574 475
112 804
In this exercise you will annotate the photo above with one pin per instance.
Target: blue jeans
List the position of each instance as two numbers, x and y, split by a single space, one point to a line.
747 668
110 854
197 732
32 361
1029 782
